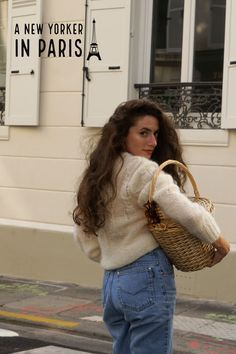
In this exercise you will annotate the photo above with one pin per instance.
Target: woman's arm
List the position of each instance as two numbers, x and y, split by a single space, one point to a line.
88 243
197 220
194 217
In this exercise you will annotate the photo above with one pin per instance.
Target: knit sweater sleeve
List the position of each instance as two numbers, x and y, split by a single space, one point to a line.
171 200
88 243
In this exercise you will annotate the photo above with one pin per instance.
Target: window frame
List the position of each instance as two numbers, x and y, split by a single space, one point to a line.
143 31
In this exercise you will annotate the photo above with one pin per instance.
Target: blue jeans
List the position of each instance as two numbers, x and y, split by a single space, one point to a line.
139 304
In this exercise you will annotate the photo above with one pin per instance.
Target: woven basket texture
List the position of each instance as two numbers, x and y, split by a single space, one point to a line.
186 252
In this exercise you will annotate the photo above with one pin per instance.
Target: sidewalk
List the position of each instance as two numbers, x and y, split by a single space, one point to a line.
203 327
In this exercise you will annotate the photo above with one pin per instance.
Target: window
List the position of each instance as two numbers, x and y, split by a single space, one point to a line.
203 25
186 67
167 35
209 41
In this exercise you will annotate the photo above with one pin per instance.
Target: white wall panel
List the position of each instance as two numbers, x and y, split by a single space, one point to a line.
60 108
37 173
4 132
216 155
216 182
43 255
62 75
63 10
35 205
23 71
196 284
225 216
48 142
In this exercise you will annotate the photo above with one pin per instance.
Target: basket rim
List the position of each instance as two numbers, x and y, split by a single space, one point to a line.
161 167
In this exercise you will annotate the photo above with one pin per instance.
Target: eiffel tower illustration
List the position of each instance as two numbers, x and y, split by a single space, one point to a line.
93 51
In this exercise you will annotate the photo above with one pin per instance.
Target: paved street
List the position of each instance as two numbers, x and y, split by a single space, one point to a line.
32 346
15 344
70 316
20 337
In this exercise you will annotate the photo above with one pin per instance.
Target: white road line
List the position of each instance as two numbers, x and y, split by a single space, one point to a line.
6 333
52 350
93 318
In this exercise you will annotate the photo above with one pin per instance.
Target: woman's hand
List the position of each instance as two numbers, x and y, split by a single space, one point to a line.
222 249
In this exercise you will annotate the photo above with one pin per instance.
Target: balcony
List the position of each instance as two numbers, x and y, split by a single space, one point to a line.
190 105
2 105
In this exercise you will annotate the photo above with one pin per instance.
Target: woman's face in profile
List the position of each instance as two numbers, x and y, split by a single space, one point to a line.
142 137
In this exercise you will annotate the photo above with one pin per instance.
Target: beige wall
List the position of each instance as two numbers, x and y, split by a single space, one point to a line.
44 255
39 171
40 165
51 256
214 168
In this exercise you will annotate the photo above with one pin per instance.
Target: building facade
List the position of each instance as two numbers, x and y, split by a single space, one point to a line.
60 82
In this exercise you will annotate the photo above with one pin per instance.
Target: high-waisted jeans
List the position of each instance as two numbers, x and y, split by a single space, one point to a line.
139 304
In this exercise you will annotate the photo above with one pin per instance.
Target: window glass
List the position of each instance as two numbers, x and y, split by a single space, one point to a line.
209 40
167 40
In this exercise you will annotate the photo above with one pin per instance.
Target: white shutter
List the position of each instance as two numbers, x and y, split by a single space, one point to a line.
23 72
109 76
229 77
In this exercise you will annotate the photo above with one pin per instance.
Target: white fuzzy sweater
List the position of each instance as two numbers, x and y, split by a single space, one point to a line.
125 236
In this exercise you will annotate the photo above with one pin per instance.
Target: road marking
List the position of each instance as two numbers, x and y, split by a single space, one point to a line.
93 318
6 333
52 350
38 319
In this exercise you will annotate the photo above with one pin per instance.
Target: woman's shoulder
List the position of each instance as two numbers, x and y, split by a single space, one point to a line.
140 170
138 161
138 167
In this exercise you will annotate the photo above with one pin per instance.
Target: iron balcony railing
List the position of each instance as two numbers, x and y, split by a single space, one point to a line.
191 105
2 105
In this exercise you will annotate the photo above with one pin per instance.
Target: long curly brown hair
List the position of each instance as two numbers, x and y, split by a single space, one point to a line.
98 187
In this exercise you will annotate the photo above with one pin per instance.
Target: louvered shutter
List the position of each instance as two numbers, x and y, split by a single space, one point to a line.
23 72
109 76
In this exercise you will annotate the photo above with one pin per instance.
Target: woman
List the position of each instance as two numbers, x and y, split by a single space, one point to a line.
139 287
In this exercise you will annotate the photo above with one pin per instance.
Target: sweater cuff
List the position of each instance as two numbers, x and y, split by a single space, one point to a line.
211 231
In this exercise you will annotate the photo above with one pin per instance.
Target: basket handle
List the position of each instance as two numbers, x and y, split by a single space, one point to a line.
163 165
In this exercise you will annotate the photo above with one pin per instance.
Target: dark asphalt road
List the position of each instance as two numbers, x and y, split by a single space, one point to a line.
11 345
35 337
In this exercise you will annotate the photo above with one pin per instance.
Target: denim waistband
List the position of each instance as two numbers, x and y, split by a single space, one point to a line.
145 260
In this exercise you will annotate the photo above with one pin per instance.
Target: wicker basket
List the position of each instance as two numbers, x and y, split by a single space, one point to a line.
185 251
